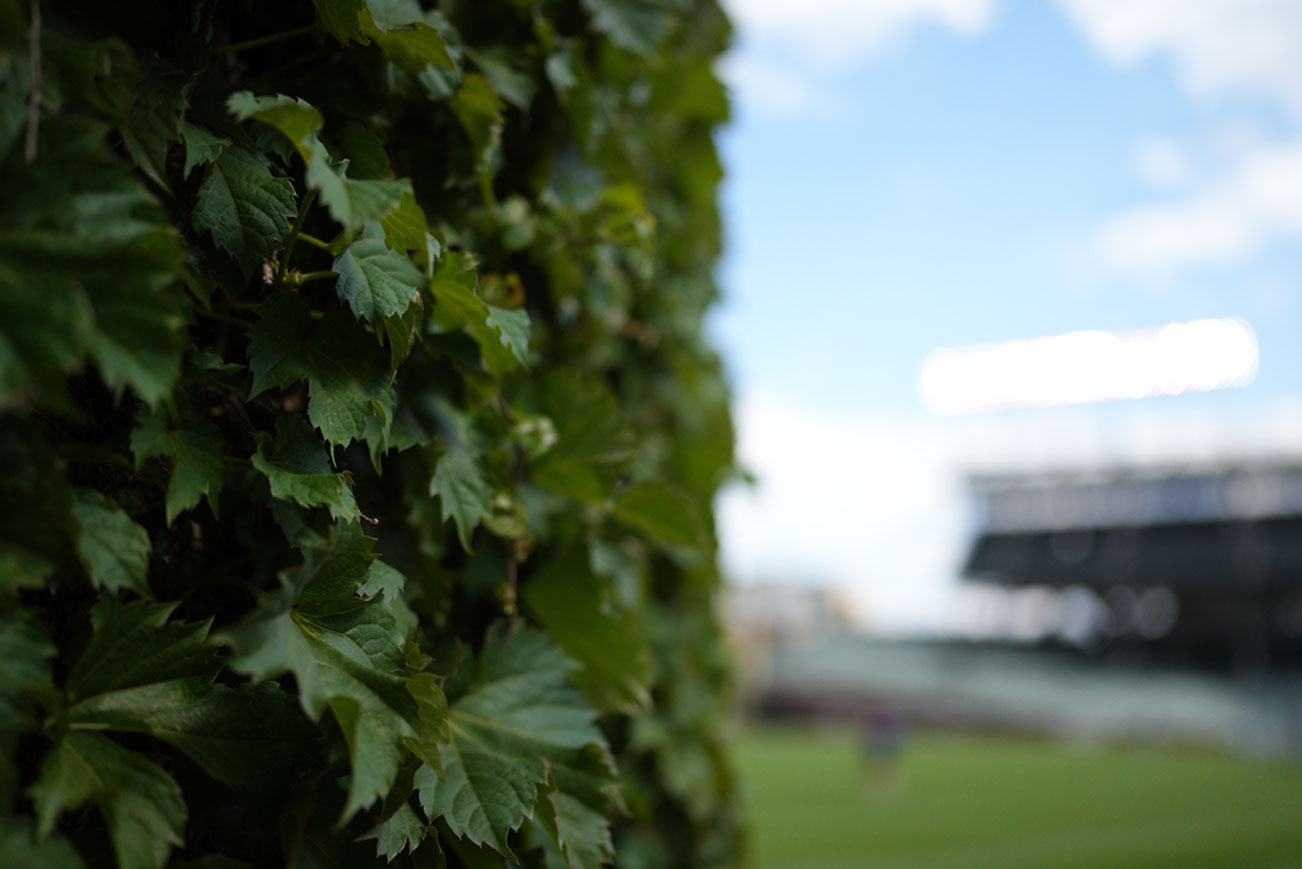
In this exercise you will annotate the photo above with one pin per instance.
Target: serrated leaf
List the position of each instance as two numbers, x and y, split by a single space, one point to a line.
87 262
339 18
245 207
401 831
142 673
196 450
453 288
297 467
571 811
136 338
20 849
20 567
508 72
201 145
296 119
593 441
352 202
405 227
134 644
464 494
410 46
513 326
154 121
347 371
113 549
363 149
661 511
479 109
402 331
375 281
140 804
519 719
574 605
24 649
344 653
432 709
637 25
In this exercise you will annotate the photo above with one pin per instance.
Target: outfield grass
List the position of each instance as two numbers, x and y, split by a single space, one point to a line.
981 801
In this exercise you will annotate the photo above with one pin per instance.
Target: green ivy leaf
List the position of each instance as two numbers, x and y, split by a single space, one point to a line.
297 467
574 605
572 811
87 262
352 202
201 146
144 674
405 227
479 109
375 281
135 645
464 494
401 831
593 442
344 653
196 450
346 370
518 719
434 731
637 25
20 849
140 803
298 120
245 207
355 203
512 324
24 673
411 47
661 511
363 149
113 549
402 332
339 18
154 121
453 288
508 72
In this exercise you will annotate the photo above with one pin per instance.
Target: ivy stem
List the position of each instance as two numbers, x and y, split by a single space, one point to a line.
316 276
34 96
313 240
267 40
293 235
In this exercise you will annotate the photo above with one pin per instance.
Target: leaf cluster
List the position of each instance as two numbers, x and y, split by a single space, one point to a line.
359 435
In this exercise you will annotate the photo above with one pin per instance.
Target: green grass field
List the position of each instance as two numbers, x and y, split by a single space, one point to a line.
982 801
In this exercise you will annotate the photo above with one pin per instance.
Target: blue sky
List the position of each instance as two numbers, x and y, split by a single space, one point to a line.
910 174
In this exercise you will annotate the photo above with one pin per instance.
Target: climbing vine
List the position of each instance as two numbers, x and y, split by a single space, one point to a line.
358 434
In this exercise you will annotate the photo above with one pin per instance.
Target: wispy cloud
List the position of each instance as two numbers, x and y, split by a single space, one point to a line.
789 50
1231 209
1226 220
1216 46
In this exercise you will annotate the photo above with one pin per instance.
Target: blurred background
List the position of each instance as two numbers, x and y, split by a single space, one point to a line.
1012 314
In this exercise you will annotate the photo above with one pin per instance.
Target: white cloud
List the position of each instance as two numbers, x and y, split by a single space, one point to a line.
861 503
773 87
845 32
1162 163
1226 220
1237 203
878 508
788 51
1216 46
